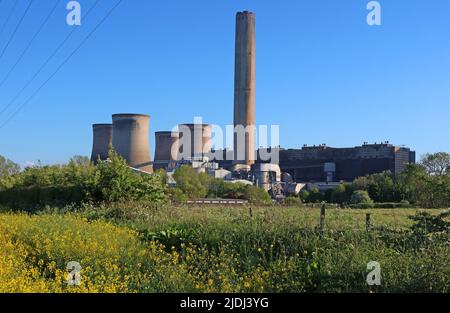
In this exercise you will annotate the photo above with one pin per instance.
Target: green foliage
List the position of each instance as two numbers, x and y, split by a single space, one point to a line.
292 201
312 196
304 195
392 205
340 195
191 185
8 167
257 195
422 189
361 197
381 187
283 248
79 181
436 164
417 185
426 223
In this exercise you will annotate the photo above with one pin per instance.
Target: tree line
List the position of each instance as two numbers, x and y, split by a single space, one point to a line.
426 184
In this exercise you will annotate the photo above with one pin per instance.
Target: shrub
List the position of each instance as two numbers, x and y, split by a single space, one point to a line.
257 195
190 183
117 182
292 201
361 197
80 181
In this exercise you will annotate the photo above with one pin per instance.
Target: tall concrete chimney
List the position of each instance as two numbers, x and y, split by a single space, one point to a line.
166 149
130 140
101 142
244 89
195 140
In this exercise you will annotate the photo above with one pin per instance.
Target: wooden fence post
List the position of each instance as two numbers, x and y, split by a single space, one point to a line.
322 219
368 223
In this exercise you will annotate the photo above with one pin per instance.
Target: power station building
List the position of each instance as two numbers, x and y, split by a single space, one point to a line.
326 164
191 144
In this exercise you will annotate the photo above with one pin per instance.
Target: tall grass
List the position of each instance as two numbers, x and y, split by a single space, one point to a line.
131 247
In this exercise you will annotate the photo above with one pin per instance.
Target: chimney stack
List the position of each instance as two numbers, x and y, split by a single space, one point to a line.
244 89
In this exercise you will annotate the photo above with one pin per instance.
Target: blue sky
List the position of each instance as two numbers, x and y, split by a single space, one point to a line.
322 73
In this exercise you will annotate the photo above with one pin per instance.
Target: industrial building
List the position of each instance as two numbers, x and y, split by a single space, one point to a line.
326 164
292 170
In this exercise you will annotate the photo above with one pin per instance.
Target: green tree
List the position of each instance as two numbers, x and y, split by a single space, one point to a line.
116 181
189 182
360 197
315 196
381 186
436 164
8 167
257 195
342 194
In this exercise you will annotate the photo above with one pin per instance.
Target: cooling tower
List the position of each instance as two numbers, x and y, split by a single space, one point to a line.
101 142
130 140
166 149
195 140
244 89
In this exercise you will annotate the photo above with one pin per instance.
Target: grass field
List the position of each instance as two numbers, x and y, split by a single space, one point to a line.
139 248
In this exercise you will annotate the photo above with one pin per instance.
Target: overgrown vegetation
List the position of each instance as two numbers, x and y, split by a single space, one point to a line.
223 250
80 181
105 218
191 185
420 185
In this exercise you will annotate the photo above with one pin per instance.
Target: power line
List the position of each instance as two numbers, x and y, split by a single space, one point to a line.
30 43
62 64
15 29
47 61
9 16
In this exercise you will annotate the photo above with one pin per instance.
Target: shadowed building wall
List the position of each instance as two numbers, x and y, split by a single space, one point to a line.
102 140
130 140
244 88
309 163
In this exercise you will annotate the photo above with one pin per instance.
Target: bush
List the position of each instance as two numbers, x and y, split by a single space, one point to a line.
257 195
361 197
190 183
292 201
80 181
117 182
393 205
